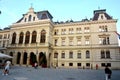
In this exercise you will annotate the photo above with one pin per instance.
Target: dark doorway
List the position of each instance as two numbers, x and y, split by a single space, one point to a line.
18 57
32 59
42 60
25 58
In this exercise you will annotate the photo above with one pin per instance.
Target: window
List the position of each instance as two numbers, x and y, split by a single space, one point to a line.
106 64
14 38
43 36
87 64
86 29
63 42
44 16
105 54
55 55
29 18
78 64
33 18
103 28
78 55
62 64
56 42
104 40
71 42
63 31
21 38
25 19
0 36
34 35
56 32
78 30
70 54
71 31
27 37
70 64
87 54
87 41
79 41
63 55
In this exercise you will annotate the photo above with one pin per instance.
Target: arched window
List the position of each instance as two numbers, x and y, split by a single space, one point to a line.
27 37
87 54
14 38
21 38
71 54
102 54
34 34
43 36
108 54
56 55
29 18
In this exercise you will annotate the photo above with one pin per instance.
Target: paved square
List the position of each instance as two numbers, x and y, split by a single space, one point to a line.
29 73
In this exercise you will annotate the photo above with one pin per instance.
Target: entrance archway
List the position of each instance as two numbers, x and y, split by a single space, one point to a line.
42 60
18 57
32 58
25 58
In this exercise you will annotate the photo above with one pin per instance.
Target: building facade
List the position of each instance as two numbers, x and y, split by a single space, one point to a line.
71 44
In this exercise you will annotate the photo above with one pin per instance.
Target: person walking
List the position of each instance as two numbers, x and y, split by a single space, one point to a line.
108 73
7 67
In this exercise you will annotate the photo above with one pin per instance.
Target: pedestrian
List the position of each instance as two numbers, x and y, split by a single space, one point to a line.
35 65
7 67
108 73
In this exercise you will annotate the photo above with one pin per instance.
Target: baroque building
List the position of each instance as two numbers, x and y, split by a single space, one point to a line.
70 44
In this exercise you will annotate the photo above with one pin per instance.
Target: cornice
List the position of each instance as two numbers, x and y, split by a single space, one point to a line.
85 23
23 24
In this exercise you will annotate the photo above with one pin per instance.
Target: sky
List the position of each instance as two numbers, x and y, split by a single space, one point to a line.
61 10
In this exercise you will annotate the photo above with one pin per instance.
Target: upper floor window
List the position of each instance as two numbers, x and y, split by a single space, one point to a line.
27 37
78 30
43 36
71 31
63 31
86 29
104 40
21 38
79 41
56 42
103 28
79 55
34 35
44 16
56 32
33 18
105 54
71 42
29 18
63 42
71 54
0 36
13 38
87 41
55 55
63 54
87 54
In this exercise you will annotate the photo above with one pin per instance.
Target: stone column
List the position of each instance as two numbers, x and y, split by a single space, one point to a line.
21 59
28 59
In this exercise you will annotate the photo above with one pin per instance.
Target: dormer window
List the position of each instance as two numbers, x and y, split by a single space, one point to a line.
29 18
101 16
25 19
44 16
33 18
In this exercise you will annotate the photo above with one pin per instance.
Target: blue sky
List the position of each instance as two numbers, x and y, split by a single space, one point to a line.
61 10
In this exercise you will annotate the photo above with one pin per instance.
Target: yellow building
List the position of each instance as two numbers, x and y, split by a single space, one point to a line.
71 44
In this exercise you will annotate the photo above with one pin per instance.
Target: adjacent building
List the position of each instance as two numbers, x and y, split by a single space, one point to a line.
88 43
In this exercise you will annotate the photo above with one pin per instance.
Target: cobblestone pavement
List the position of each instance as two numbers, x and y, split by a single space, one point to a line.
29 73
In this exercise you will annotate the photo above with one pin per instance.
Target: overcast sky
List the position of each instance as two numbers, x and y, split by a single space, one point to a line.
61 10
